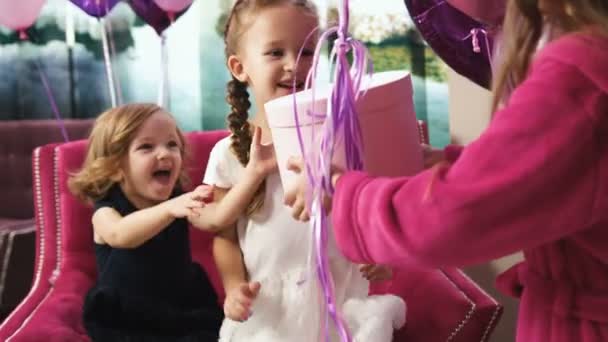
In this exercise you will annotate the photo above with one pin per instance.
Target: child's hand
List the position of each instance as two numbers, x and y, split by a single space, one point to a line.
186 204
207 192
431 155
295 197
376 272
237 305
262 159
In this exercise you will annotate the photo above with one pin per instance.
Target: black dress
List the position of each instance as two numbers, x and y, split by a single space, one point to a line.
154 292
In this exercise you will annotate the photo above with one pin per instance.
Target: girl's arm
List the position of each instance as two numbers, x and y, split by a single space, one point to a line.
228 258
228 204
138 227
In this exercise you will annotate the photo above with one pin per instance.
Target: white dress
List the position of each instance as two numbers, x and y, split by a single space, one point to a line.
276 252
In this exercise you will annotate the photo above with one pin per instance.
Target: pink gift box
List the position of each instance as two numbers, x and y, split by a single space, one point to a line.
387 119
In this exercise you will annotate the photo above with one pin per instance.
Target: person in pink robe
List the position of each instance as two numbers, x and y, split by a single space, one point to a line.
536 180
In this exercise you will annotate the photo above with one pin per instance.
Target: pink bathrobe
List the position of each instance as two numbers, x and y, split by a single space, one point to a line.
536 180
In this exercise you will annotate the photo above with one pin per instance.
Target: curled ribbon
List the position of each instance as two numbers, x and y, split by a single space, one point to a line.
474 35
341 125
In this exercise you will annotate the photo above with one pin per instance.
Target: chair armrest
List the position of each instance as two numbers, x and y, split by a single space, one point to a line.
442 305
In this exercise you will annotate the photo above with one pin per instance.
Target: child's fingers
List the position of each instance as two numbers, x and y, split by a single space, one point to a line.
209 194
195 196
249 291
295 164
298 208
257 137
304 215
380 273
254 287
236 311
194 203
365 268
193 213
203 192
243 300
290 196
373 274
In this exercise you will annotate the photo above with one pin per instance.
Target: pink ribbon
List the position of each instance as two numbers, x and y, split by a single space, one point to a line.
474 35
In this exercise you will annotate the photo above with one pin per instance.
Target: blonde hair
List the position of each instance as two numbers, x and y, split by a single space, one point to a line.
523 28
240 18
109 141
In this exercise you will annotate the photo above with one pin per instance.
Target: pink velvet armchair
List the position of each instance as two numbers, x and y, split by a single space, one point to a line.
18 138
443 305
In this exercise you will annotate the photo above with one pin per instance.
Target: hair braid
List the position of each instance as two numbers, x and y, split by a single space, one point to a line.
238 98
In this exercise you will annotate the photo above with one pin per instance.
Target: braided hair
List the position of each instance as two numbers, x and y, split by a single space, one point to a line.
238 98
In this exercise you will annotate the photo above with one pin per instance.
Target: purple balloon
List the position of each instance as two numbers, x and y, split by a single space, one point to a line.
96 8
487 11
452 35
153 15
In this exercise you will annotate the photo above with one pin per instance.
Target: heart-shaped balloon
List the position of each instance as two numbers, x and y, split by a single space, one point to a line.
490 12
462 42
19 15
173 5
96 8
153 15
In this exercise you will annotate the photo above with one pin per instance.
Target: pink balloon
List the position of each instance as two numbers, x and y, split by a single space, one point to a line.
173 5
487 11
19 14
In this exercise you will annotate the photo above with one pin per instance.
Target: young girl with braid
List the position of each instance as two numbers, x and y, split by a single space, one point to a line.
262 252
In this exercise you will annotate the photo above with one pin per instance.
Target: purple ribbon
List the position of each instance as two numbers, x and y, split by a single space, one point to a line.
49 93
51 98
341 124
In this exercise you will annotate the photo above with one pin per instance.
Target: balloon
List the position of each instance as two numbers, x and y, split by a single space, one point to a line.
173 5
96 8
153 15
21 14
490 12
459 40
